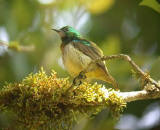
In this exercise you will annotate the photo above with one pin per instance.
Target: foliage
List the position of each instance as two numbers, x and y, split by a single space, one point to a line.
98 6
154 4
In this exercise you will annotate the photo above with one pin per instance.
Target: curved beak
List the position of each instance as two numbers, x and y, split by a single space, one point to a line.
60 32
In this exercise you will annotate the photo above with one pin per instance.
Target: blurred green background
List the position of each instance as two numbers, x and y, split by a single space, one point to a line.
129 27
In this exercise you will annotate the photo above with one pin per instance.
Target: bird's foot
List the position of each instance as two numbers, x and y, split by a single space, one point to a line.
77 81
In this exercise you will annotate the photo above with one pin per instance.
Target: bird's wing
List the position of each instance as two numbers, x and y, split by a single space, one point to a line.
91 50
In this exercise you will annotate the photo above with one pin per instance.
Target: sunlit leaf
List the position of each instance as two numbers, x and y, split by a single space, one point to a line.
152 4
98 6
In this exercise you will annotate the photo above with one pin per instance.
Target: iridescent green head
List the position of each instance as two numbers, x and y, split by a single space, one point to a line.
68 33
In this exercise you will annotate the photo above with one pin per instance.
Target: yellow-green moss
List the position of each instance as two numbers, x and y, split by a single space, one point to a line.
40 101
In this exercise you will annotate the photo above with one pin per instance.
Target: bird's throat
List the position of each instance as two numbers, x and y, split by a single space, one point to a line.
66 40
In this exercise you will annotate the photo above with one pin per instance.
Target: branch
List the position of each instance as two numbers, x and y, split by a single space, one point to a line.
144 76
42 102
151 89
135 67
17 47
150 92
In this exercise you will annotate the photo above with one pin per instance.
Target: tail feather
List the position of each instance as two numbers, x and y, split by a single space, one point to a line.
100 74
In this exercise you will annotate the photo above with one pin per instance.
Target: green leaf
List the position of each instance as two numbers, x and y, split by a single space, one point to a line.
152 4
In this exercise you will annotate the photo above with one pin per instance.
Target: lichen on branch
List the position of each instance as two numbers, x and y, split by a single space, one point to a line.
41 101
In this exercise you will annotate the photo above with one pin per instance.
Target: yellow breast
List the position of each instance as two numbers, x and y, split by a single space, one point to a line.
74 60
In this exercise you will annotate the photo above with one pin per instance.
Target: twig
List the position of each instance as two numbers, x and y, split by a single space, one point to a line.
141 95
2 43
135 67
17 47
124 57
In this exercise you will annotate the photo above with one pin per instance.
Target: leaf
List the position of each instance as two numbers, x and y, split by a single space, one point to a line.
154 4
98 6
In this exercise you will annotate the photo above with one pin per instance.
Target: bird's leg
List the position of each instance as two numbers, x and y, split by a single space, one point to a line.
81 76
77 81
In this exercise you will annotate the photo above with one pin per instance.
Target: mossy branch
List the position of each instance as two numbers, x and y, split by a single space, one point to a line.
40 101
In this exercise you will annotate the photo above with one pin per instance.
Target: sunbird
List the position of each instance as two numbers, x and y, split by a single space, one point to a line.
78 53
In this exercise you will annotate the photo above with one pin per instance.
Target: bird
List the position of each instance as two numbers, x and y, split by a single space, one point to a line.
78 53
